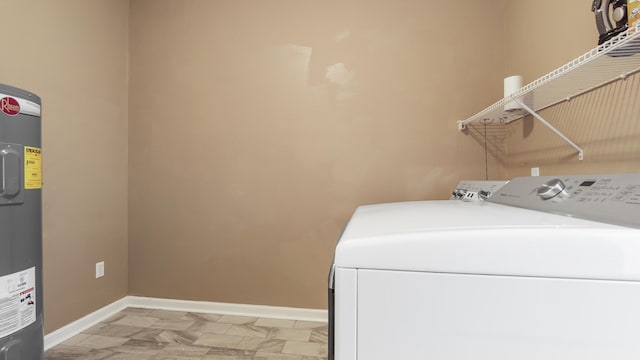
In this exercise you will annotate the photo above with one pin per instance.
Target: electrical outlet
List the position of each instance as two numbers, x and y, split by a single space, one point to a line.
535 171
99 269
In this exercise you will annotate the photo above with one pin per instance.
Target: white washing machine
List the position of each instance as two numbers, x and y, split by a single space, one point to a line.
546 268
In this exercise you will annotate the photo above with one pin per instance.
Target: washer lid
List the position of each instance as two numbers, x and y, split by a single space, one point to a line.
486 238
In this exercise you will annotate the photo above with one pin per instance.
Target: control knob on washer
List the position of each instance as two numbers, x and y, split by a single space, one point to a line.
458 193
551 189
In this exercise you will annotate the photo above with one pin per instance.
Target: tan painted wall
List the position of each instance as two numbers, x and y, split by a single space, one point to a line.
73 54
251 145
604 122
257 127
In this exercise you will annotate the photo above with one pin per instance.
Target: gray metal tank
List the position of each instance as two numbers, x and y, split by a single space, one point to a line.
21 330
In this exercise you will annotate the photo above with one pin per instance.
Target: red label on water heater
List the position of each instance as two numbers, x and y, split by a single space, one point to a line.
9 106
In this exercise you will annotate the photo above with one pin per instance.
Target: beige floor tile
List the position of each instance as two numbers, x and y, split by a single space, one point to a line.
171 324
248 330
210 327
178 337
222 341
305 348
95 341
228 354
66 352
185 351
143 334
136 321
106 329
266 322
95 355
148 334
309 325
271 356
203 316
289 334
235 319
129 356
136 311
319 336
114 318
168 315
259 344
125 312
143 347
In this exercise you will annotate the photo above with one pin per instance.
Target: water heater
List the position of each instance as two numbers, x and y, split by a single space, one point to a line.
21 331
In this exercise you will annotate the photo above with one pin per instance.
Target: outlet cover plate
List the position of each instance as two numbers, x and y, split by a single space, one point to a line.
99 269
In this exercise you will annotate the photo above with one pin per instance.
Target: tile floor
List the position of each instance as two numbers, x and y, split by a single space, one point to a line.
159 334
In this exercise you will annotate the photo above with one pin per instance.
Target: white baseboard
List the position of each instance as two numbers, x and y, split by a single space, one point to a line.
264 311
66 332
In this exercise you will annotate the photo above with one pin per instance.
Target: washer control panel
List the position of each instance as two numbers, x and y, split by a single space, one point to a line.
481 189
613 199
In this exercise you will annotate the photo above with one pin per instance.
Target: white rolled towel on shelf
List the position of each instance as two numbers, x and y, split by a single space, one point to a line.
511 85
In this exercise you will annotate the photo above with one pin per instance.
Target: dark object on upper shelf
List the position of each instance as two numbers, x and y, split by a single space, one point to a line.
611 18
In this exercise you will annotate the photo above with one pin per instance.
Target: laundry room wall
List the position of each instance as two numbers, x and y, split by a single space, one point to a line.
257 128
540 37
73 54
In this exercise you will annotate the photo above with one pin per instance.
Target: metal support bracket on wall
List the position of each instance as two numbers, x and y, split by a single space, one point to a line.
556 131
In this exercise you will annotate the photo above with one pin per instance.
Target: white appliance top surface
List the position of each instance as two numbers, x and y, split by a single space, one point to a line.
486 238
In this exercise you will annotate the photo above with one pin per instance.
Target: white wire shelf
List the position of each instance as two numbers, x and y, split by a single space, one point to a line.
614 60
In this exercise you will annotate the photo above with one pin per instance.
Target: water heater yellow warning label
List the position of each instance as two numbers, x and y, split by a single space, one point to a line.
32 168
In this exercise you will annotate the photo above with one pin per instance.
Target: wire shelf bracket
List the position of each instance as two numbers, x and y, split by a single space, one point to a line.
552 128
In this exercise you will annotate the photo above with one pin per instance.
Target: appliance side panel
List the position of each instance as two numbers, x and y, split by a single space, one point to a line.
346 306
21 300
417 315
